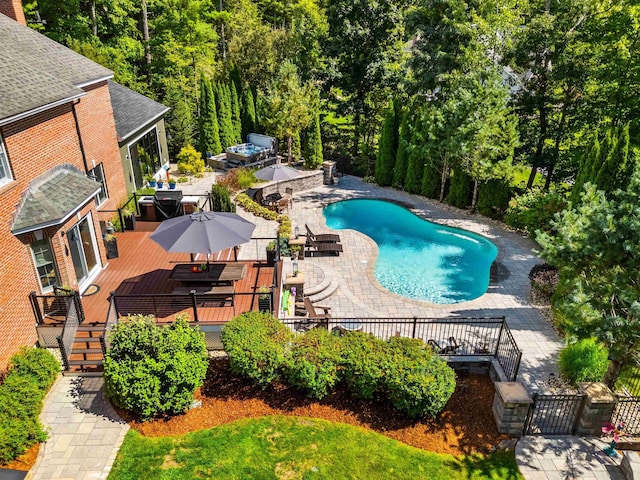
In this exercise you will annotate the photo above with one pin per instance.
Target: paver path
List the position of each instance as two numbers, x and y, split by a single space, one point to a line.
566 458
85 432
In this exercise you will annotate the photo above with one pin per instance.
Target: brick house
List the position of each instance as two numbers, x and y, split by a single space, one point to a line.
61 173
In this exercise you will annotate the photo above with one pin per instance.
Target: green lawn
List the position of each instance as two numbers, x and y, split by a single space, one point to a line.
295 448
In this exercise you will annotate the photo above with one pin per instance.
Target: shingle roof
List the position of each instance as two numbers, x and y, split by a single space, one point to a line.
131 110
52 197
37 71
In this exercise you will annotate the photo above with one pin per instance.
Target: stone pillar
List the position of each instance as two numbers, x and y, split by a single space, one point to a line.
328 169
596 409
510 407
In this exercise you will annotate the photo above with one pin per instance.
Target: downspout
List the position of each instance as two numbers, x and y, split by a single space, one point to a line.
75 119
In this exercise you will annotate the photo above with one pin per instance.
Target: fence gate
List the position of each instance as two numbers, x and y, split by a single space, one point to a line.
553 414
627 411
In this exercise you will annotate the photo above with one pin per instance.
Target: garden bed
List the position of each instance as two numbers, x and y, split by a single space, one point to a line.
465 426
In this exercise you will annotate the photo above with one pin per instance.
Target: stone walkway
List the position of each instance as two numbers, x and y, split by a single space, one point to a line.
566 458
85 433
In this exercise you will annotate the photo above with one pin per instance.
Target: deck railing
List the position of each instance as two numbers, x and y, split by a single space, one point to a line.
72 320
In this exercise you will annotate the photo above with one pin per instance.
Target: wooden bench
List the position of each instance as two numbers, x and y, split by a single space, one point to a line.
207 293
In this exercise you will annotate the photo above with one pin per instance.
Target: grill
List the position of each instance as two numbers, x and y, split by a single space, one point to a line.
168 204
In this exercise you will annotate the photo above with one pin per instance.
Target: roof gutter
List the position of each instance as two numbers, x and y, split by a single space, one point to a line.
91 82
40 109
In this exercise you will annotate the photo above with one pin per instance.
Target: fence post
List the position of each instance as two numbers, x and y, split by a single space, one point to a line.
597 408
517 367
194 305
63 352
415 323
78 301
37 312
112 300
495 353
511 404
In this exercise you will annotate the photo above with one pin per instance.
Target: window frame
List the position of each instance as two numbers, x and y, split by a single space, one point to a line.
103 194
46 241
4 164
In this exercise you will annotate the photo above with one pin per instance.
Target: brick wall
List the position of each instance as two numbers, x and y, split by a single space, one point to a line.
13 9
100 140
34 145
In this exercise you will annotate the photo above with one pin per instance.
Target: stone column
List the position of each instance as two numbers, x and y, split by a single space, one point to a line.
510 407
596 409
328 168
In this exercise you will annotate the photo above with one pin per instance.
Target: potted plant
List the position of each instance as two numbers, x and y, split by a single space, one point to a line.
271 253
150 179
264 299
129 219
172 184
160 183
111 245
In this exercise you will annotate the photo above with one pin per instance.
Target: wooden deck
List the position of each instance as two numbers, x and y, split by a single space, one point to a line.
143 268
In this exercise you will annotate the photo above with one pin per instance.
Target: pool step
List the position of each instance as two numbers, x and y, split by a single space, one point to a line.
325 293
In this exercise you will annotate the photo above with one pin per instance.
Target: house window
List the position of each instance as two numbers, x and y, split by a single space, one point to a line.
45 264
97 174
145 156
5 171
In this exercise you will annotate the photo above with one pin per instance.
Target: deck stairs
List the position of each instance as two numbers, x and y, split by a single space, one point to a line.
86 353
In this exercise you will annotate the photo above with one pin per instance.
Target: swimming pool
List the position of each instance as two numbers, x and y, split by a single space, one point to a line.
418 259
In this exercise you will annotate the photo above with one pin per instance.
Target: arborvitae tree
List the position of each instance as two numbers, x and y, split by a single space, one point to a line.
221 199
588 158
208 120
596 163
460 189
387 148
248 113
430 182
296 145
606 178
402 156
313 152
416 161
235 112
627 165
227 136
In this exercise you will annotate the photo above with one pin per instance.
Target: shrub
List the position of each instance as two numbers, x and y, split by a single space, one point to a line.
493 198
534 210
32 372
256 343
314 362
584 361
190 161
363 363
460 189
246 177
417 381
258 210
221 199
151 370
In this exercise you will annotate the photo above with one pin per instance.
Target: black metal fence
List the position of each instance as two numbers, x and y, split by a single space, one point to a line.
53 308
627 411
473 336
553 414
72 320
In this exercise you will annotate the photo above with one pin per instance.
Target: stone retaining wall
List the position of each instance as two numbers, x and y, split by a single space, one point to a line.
307 181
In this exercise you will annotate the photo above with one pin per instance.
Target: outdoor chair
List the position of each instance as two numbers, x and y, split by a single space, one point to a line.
283 205
314 248
288 192
258 198
314 318
322 237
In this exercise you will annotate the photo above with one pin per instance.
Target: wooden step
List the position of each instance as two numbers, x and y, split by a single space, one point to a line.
83 351
85 362
90 328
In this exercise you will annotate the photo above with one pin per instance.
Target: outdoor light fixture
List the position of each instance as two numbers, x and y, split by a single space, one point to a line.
296 231
294 267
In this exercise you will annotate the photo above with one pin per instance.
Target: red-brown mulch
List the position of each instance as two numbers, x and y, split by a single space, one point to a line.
466 425
25 461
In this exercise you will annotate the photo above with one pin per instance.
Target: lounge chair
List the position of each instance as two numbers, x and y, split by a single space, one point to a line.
322 237
314 247
314 318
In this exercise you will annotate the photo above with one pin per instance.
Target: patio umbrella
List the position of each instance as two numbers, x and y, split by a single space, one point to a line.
203 232
277 172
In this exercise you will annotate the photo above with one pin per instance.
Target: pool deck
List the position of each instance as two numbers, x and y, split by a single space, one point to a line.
358 293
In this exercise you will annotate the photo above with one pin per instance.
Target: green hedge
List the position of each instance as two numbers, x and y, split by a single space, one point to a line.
534 210
32 372
584 361
400 370
255 343
151 370
493 198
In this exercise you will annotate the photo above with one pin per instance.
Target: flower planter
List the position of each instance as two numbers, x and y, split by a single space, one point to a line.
271 257
152 183
264 304
112 248
160 184
172 186
130 222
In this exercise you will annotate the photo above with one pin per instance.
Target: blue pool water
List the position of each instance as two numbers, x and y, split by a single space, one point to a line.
418 259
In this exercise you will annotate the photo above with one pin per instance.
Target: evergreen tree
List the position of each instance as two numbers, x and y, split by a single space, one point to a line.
313 152
387 148
402 156
430 182
227 137
606 178
596 163
588 158
248 113
627 165
416 160
460 189
208 120
235 112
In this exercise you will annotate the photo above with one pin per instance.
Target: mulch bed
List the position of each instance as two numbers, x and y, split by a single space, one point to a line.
466 426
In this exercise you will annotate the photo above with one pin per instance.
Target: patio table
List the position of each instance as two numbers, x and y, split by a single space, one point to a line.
219 273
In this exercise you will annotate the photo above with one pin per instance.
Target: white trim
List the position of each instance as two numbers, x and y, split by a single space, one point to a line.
129 144
5 164
41 108
91 82
93 273
59 221
35 267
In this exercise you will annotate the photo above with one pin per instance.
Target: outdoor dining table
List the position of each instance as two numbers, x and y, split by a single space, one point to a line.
218 273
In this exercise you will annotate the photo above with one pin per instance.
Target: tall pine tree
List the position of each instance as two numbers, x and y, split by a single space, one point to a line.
590 156
208 120
416 160
387 148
